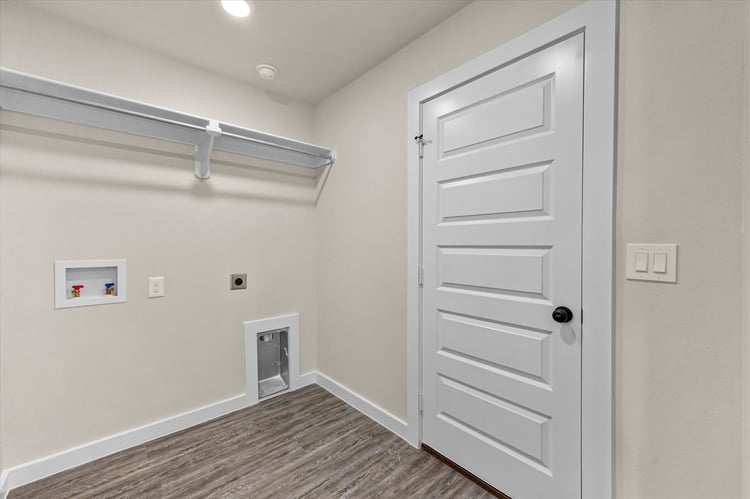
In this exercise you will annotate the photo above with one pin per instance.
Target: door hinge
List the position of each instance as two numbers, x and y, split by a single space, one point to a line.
420 140
420 276
420 403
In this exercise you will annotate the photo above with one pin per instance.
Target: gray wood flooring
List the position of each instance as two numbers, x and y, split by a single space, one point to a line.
303 444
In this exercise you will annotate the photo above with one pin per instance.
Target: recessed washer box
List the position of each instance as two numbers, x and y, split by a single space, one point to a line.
96 282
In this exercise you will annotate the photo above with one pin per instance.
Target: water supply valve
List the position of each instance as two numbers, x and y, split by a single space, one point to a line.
110 288
77 290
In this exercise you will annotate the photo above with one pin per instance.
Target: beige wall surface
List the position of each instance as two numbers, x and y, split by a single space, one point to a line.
72 376
678 359
680 180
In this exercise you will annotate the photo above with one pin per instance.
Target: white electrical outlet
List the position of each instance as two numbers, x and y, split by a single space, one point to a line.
155 287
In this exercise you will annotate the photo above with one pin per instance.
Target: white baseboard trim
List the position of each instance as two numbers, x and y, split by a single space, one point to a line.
366 407
4 489
310 378
46 466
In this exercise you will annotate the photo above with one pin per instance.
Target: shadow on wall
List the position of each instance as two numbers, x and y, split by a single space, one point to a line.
234 176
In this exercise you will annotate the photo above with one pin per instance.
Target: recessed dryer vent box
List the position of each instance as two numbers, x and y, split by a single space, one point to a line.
273 362
80 283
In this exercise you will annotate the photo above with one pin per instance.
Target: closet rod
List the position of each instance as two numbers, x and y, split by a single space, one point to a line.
37 96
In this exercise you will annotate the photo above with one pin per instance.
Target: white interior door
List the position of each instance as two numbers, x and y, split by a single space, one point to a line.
501 250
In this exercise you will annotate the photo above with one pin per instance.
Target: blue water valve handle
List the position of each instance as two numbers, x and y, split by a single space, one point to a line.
109 284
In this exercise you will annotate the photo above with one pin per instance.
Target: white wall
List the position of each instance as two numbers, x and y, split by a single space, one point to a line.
680 180
75 375
678 360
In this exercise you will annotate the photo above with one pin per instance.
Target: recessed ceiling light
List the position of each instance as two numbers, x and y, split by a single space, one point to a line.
266 71
238 8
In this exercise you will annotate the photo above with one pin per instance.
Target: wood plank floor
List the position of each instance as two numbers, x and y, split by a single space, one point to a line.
303 444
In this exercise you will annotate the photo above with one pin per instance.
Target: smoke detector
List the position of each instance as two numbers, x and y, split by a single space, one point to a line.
266 71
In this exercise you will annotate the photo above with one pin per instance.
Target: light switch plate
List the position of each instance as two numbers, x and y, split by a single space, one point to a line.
670 250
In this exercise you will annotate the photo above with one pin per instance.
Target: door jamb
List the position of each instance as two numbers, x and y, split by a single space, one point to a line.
598 20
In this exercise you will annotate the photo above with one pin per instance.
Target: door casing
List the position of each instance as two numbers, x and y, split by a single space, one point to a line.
598 20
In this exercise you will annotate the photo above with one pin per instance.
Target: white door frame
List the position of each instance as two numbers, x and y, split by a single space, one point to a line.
598 20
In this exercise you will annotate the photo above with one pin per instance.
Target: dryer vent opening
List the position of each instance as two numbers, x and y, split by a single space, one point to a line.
273 362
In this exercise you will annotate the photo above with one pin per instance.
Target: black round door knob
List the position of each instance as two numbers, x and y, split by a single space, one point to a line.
562 315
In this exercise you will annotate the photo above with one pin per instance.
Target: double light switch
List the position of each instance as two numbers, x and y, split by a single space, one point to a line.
652 262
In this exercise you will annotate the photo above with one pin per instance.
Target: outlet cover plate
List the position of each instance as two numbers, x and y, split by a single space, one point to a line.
155 287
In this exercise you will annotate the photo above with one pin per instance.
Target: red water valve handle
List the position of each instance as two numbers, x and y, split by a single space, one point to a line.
77 286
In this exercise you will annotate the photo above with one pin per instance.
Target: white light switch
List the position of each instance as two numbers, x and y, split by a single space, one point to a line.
661 257
641 261
660 263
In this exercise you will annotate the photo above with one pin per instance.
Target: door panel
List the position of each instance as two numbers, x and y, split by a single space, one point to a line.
500 422
502 270
501 248
494 193
500 117
519 350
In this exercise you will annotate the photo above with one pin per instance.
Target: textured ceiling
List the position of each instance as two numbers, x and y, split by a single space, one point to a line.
318 45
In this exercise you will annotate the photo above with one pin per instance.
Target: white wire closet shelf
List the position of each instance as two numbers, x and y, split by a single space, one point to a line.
24 93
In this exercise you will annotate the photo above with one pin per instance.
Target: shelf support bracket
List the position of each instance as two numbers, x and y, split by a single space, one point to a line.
203 150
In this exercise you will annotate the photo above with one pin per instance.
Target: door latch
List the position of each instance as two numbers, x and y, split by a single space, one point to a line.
420 140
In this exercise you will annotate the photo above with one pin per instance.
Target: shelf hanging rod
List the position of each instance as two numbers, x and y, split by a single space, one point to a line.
29 94
277 146
107 108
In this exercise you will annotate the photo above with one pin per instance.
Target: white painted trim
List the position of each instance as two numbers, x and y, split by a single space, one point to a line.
413 270
599 163
598 20
252 328
310 378
366 407
49 465
4 485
